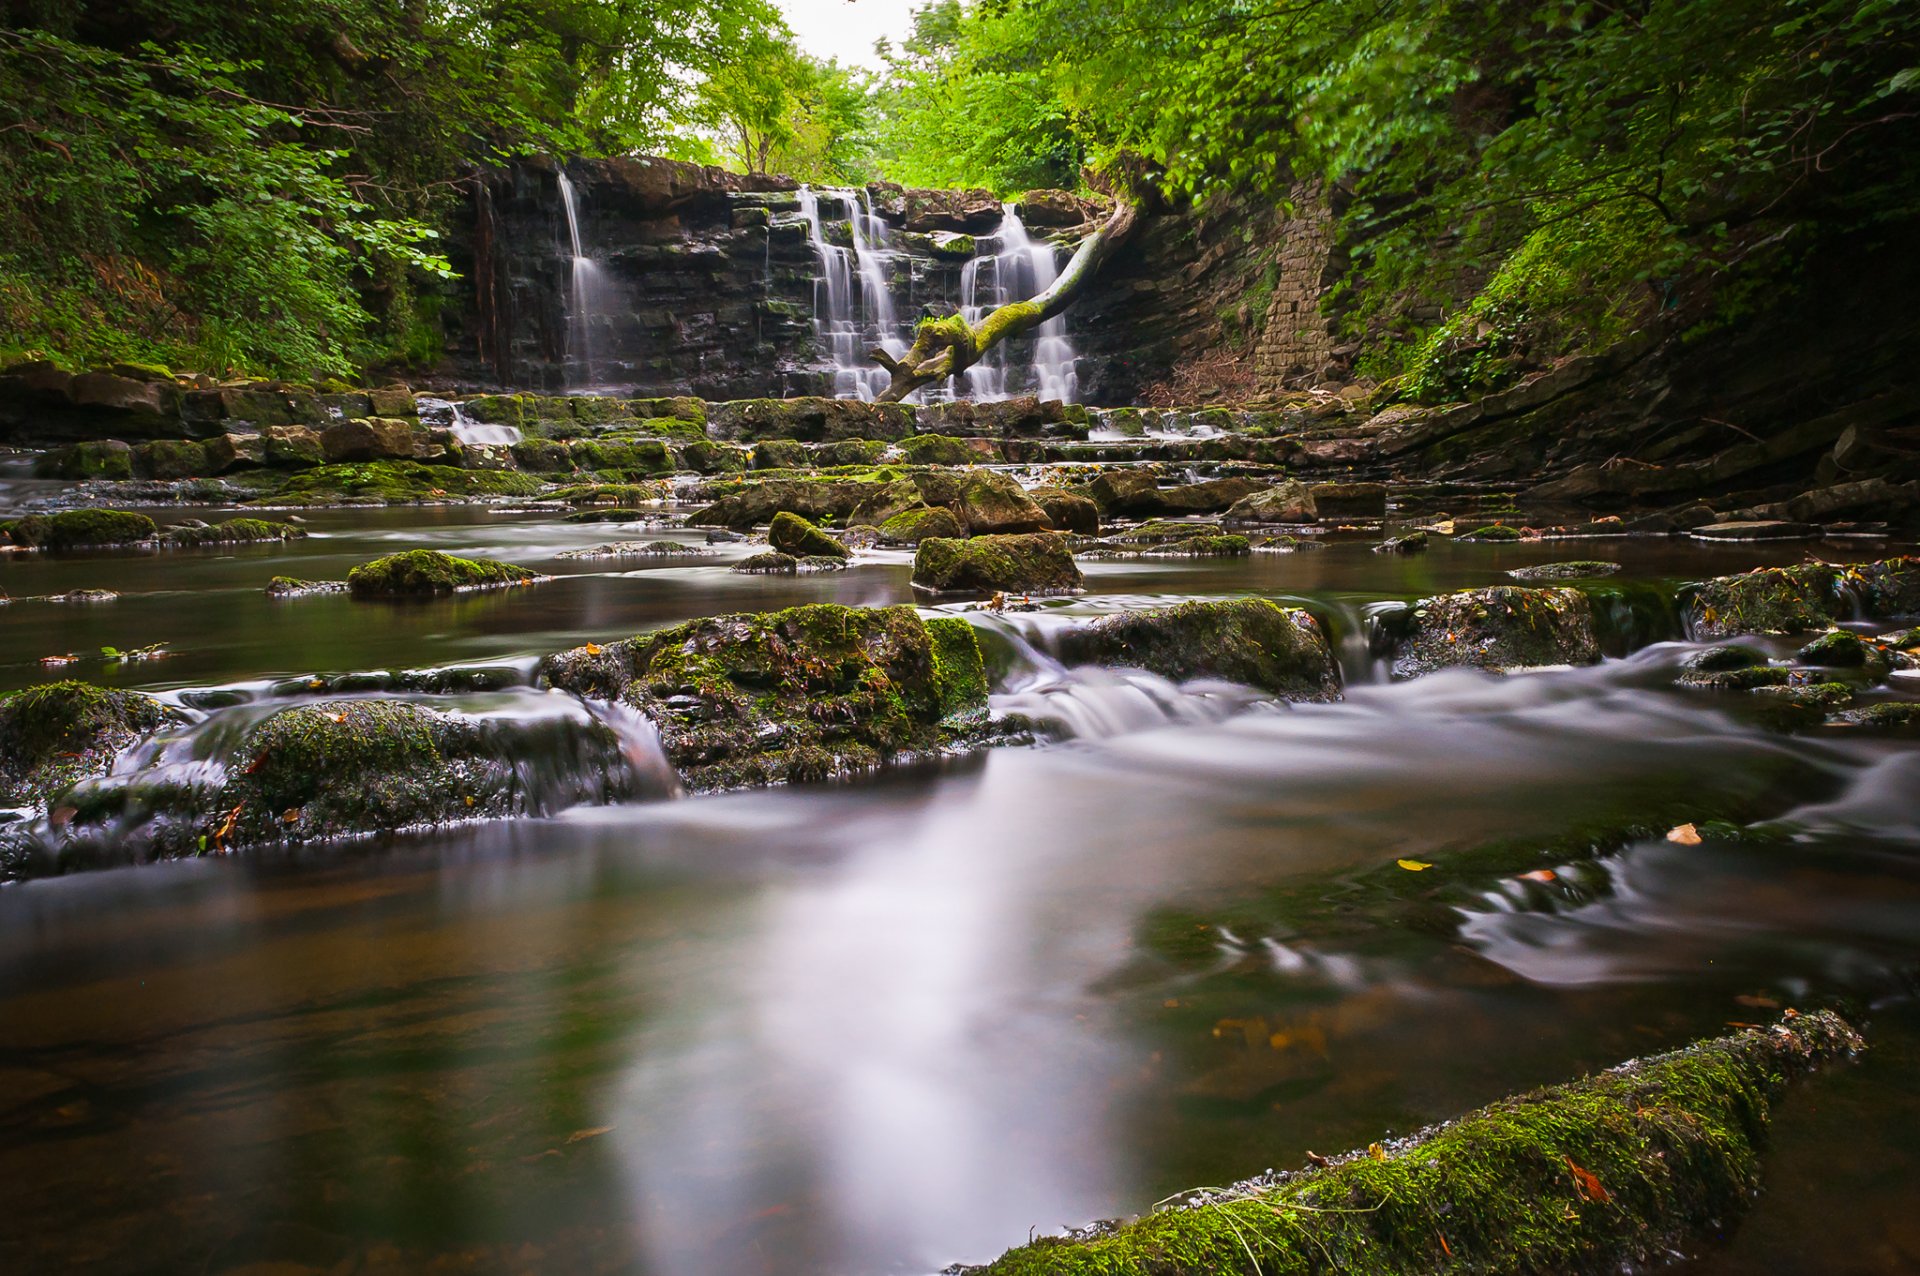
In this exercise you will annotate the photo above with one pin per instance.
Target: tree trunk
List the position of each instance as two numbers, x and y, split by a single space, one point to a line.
947 347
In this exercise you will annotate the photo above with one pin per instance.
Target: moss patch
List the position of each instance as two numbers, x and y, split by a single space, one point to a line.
235 531
1039 563
1589 1177
791 534
394 483
910 527
1767 600
419 573
810 693
53 735
1244 640
79 529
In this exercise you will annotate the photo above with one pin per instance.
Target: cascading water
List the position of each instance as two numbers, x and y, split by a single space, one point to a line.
854 308
585 288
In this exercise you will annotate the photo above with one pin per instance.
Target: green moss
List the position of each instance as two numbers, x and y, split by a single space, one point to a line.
1158 530
1227 546
625 494
939 449
1495 532
770 563
677 429
614 515
170 459
79 529
791 534
1894 717
714 458
809 693
1749 678
393 483
855 452
1033 563
959 672
1767 600
235 531
637 456
1503 627
420 573
1608 1172
1245 640
1723 658
53 735
1841 649
910 527
782 454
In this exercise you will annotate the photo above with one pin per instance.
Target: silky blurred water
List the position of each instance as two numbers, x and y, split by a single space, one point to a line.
886 1027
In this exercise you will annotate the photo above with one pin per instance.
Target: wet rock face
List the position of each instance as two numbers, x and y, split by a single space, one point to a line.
810 693
812 499
1503 627
1244 640
1138 494
1068 511
1040 563
910 527
56 734
1288 501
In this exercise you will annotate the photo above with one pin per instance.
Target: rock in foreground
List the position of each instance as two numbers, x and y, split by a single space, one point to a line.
791 534
53 735
1597 1176
810 693
1037 563
1502 627
1244 640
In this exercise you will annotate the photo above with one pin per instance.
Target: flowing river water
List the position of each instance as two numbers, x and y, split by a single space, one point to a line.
884 1027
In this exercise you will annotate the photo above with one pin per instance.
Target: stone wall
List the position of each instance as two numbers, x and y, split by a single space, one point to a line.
1296 346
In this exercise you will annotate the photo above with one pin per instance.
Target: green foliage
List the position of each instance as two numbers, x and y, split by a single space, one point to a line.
769 108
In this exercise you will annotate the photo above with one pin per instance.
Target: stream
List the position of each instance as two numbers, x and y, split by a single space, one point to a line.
881 1028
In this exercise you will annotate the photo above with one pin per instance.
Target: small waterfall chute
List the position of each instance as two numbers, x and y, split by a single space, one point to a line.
586 282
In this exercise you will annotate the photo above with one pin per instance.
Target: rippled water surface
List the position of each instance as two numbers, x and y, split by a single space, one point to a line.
886 1027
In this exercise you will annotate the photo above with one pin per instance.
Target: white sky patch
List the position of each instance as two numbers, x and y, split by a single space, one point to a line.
846 29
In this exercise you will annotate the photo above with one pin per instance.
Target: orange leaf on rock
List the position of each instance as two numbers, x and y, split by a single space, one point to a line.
1589 1185
1539 875
1685 835
1414 866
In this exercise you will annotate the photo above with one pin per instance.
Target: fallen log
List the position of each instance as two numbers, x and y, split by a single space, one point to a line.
1590 1177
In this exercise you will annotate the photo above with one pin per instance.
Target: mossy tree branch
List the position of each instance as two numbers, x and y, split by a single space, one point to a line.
946 347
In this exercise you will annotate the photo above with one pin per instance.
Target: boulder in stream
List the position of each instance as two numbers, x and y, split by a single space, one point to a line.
810 693
1245 640
791 534
78 529
1501 627
422 573
60 732
1038 563
1767 600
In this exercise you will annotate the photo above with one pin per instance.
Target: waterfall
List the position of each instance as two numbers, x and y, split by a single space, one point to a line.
1032 269
586 286
854 308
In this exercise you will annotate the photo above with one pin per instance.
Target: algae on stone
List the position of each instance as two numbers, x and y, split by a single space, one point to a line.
810 693
79 529
1037 563
420 573
791 534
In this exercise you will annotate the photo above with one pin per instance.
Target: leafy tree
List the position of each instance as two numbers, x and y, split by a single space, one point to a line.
771 108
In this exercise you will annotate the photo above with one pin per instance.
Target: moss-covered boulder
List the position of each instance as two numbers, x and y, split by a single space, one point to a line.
372 439
622 456
234 531
706 457
791 534
393 483
1843 649
92 459
422 573
1494 532
1288 501
56 734
355 767
1137 494
1890 588
1036 563
1068 511
1244 640
1204 546
810 693
849 452
1615 1172
1767 600
757 503
770 563
910 527
986 502
1573 569
170 459
1502 627
79 529
782 454
945 449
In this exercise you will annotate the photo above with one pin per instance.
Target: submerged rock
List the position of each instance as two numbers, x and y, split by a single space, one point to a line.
1245 640
234 531
791 534
421 573
1613 1172
78 529
56 734
810 693
657 551
1502 627
1411 543
1040 563
294 587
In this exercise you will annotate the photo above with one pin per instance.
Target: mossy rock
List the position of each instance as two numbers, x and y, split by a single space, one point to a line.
1288 501
782 454
1767 600
1750 678
54 735
810 693
1890 588
394 483
1067 511
849 452
1245 640
1163 531
422 573
294 587
235 531
92 459
1502 627
1613 1172
910 527
986 502
814 499
791 534
770 563
1036 563
941 449
79 529
170 459
542 456
1495 532
1893 717
617 514
354 767
1722 658
1576 569
1824 696
623 494
1224 546
1411 543
706 457
1842 649
635 456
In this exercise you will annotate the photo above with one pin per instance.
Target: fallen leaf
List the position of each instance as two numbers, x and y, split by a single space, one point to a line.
1539 875
290 816
1589 1184
1414 866
594 1133
593 649
1377 1152
1314 1158
1752 1002
1685 835
1448 1249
